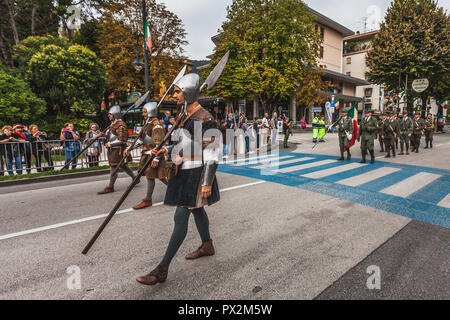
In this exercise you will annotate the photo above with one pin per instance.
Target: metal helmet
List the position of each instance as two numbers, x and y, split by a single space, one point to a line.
152 109
190 86
116 112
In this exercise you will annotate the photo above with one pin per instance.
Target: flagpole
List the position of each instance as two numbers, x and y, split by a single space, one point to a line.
146 57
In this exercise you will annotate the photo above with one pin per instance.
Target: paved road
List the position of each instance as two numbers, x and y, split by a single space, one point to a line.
306 227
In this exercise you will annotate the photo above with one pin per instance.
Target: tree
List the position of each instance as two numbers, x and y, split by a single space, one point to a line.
121 25
17 102
71 81
310 88
271 43
416 36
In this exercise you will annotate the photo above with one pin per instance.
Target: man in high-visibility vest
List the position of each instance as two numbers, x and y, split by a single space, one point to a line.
322 129
316 127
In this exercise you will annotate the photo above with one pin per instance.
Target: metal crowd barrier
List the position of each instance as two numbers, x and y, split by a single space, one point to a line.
45 155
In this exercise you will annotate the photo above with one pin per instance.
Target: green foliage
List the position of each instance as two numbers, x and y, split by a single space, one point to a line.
30 46
70 80
17 102
271 42
415 35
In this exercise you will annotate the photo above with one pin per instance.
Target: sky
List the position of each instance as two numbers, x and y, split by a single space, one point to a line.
203 18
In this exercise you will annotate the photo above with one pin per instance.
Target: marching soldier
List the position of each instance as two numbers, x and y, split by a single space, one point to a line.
116 143
193 184
316 127
367 134
406 130
418 127
322 129
154 134
389 132
380 127
397 118
429 131
345 134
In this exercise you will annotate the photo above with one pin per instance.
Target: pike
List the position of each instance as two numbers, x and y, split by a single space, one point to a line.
210 82
135 105
179 76
333 125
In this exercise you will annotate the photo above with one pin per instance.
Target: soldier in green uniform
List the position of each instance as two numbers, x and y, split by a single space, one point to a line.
406 129
418 127
322 129
397 118
345 134
429 131
316 127
367 133
389 132
380 126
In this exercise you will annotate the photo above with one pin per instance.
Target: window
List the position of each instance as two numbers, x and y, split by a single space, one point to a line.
368 92
322 33
321 52
349 74
349 60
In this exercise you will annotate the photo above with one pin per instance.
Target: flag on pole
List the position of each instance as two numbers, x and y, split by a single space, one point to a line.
401 94
444 103
148 37
336 104
352 113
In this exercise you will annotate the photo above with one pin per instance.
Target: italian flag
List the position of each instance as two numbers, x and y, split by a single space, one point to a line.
337 105
353 113
148 37
401 94
444 103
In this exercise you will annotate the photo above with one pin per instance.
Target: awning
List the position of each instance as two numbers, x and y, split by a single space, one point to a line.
345 78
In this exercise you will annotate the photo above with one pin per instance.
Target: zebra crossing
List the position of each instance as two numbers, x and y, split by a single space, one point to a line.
415 192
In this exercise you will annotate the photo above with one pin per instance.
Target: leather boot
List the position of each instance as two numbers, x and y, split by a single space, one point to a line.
342 156
393 153
158 275
107 190
206 249
372 156
363 157
431 144
388 154
426 147
349 156
144 204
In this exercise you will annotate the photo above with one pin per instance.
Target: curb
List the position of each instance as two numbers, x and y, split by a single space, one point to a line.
58 177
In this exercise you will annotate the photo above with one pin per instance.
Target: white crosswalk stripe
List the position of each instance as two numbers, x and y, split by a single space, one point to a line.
368 177
411 185
283 163
306 166
445 202
270 160
242 160
329 172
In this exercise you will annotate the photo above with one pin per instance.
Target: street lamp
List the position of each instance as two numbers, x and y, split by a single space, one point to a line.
137 64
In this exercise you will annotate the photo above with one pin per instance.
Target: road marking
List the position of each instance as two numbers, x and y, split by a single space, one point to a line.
368 177
445 202
306 166
238 160
283 163
270 160
68 223
328 172
411 185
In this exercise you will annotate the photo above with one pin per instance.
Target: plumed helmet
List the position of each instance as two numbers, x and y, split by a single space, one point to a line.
190 86
116 112
152 109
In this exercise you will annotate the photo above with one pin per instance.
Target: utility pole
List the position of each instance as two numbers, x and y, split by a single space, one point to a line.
146 57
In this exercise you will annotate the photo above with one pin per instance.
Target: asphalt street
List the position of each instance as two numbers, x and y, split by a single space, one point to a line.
293 234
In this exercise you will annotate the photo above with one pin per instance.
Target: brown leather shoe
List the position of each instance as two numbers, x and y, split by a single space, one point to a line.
144 204
107 190
159 275
206 249
401 154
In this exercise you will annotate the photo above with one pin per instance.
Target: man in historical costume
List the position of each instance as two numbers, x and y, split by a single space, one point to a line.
418 127
367 134
389 132
406 130
429 131
193 183
345 134
152 137
116 143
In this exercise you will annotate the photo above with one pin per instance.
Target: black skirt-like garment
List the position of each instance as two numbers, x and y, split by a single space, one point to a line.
184 187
